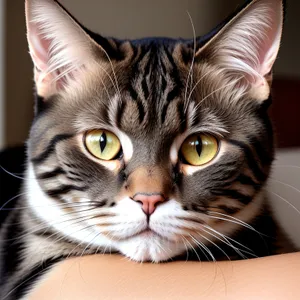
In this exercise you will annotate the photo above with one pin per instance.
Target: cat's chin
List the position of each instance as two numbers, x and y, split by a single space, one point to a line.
149 247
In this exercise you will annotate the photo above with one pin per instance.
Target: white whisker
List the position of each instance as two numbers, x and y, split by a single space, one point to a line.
286 184
189 79
286 201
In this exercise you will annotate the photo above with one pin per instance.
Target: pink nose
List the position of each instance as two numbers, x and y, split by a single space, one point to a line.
149 201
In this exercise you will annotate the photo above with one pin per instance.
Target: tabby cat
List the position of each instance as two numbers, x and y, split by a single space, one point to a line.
155 148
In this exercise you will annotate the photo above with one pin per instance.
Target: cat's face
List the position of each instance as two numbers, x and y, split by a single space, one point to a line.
157 149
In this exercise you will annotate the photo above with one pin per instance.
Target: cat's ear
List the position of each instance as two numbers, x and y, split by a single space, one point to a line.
247 46
59 47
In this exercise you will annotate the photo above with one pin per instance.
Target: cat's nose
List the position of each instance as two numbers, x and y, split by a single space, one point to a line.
149 201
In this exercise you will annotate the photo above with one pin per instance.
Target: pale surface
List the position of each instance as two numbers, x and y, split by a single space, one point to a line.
284 191
114 277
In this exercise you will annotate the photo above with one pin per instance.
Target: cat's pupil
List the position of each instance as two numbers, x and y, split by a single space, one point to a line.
103 141
198 145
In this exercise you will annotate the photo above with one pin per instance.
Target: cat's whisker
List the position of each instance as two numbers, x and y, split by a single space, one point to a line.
210 241
238 223
226 241
63 205
197 83
82 242
286 184
187 250
15 175
217 90
113 70
286 201
164 250
287 166
189 80
91 241
234 241
41 227
236 220
84 250
81 220
62 215
199 246
11 199
38 228
193 248
199 243
213 259
223 240
77 246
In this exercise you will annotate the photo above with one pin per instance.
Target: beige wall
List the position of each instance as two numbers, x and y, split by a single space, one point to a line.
18 75
138 18
131 18
2 92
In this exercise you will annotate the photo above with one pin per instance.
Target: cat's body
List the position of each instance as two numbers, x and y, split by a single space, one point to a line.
161 151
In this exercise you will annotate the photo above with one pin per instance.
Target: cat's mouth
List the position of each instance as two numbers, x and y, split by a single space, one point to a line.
148 233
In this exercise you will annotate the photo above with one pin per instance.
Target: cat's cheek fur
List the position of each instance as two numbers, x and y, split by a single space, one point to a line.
47 210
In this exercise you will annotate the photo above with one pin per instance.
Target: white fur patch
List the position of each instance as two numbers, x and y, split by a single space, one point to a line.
48 211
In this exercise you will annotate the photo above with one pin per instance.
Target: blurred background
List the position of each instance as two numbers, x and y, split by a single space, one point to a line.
139 18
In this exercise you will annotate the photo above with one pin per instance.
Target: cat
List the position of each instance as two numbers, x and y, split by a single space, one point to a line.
154 148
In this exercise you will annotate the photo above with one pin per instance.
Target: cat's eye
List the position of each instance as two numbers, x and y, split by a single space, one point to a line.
103 144
199 149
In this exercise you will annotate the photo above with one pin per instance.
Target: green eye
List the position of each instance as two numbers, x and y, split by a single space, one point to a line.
102 144
199 149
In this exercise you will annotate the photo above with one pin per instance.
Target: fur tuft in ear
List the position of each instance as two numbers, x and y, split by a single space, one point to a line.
248 45
59 47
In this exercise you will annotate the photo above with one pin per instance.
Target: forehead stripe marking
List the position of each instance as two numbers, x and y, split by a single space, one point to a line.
140 106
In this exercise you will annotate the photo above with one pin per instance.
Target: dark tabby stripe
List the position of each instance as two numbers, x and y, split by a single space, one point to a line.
233 194
246 180
64 190
144 81
182 117
139 103
175 92
262 155
253 165
229 209
51 147
51 174
199 208
75 178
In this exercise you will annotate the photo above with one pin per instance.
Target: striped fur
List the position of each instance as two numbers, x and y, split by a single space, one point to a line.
152 93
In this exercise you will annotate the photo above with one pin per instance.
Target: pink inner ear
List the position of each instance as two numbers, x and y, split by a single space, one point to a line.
269 50
39 49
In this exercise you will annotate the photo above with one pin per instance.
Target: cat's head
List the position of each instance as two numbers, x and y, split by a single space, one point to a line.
154 146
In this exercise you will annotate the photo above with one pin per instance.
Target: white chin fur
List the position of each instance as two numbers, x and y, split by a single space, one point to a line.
150 247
